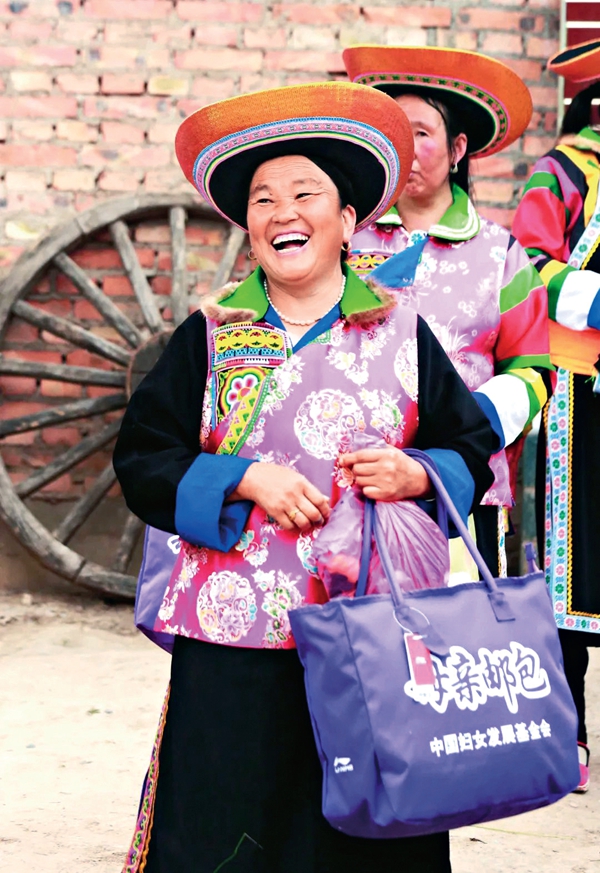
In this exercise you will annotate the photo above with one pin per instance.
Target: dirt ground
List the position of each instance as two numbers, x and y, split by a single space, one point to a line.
80 695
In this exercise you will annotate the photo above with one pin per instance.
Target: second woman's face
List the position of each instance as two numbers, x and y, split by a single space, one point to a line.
295 222
431 164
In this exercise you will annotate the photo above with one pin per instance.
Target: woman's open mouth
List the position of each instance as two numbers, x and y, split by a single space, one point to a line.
289 242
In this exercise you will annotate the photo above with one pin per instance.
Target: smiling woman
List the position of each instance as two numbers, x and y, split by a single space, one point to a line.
240 440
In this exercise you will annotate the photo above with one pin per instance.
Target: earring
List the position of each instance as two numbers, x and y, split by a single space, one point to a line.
251 255
454 168
346 246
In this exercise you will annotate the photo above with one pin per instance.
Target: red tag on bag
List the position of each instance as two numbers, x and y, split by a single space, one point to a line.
420 665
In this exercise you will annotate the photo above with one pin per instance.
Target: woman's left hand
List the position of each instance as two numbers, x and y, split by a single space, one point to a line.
387 474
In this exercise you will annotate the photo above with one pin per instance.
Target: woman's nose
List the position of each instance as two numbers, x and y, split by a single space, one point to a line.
286 209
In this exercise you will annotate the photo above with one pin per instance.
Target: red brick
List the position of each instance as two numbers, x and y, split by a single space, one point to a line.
30 80
145 256
74 180
114 57
74 130
34 356
550 122
502 44
83 358
20 439
16 386
79 32
38 107
38 56
528 70
259 82
53 388
218 59
19 155
138 9
17 180
265 38
117 286
536 146
126 156
540 47
496 165
200 10
17 408
197 235
168 86
161 284
304 61
118 132
174 37
61 436
122 83
408 16
165 261
308 13
97 259
480 18
86 311
153 233
493 192
62 485
543 97
121 107
162 133
20 332
118 181
23 31
41 203
209 89
78 83
61 307
32 129
159 181
215 35
503 217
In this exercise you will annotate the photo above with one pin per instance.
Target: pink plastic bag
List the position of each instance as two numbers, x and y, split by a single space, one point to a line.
418 549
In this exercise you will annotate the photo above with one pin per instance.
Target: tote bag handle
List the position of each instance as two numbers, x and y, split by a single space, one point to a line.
408 616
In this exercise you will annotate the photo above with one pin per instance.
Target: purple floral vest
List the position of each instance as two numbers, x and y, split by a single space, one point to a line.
299 410
457 292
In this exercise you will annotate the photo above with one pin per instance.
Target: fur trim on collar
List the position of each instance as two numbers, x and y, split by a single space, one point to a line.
580 142
211 307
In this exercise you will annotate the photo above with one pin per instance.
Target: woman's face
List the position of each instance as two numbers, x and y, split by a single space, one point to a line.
295 222
431 165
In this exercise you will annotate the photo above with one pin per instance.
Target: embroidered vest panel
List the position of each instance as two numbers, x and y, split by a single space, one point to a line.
300 412
457 292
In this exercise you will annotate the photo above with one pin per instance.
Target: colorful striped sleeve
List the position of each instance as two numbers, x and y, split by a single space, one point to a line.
549 215
518 391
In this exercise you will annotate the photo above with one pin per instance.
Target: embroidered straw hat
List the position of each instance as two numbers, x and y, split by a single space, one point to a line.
493 103
577 63
362 132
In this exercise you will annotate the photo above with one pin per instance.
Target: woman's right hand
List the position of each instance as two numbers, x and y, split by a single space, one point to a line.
284 494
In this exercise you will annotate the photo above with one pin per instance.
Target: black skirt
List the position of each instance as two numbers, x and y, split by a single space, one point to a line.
584 503
239 780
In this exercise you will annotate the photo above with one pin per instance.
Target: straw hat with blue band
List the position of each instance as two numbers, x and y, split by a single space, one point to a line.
578 63
362 132
493 103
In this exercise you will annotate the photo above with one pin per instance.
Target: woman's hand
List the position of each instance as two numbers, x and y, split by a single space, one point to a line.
387 474
284 494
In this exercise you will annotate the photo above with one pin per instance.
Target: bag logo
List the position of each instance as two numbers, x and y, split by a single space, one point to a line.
342 765
470 683
174 544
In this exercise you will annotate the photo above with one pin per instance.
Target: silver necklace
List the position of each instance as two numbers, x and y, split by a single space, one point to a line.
304 323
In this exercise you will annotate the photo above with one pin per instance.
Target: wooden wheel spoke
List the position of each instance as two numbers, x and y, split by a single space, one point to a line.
142 289
73 333
61 373
103 304
232 250
85 505
59 414
67 460
127 543
179 291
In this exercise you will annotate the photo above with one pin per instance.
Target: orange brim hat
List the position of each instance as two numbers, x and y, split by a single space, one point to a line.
578 63
493 103
363 132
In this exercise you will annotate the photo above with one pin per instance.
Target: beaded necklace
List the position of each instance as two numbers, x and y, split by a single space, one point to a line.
304 323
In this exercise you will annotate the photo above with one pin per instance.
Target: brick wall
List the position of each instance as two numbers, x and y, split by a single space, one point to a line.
92 91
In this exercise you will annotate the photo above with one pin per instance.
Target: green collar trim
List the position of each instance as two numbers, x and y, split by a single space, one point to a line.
591 135
250 294
460 221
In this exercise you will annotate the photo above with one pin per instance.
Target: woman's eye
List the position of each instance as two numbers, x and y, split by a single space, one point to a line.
262 200
303 195
421 133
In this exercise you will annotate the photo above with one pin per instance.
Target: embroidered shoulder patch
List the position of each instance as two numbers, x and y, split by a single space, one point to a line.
247 344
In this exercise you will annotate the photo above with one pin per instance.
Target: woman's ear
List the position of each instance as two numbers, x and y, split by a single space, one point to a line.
348 221
459 147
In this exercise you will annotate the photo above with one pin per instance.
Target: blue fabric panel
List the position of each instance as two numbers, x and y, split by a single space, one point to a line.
593 318
201 515
487 407
455 475
399 271
325 323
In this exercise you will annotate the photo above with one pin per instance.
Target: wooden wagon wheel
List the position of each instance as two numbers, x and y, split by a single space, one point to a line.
87 313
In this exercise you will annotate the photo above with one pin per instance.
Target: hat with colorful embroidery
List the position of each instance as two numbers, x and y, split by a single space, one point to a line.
493 104
577 63
361 132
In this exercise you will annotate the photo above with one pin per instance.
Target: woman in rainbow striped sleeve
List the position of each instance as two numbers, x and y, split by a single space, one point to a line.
558 220
466 276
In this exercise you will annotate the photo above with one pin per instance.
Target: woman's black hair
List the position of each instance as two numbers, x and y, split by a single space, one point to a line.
579 113
343 185
454 124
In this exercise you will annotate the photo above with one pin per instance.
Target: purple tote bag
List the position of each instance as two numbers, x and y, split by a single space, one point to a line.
493 734
160 553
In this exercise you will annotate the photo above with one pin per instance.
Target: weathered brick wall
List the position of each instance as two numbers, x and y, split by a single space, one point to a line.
92 91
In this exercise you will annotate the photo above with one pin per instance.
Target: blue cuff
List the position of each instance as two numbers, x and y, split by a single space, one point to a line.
489 410
457 480
201 515
593 318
